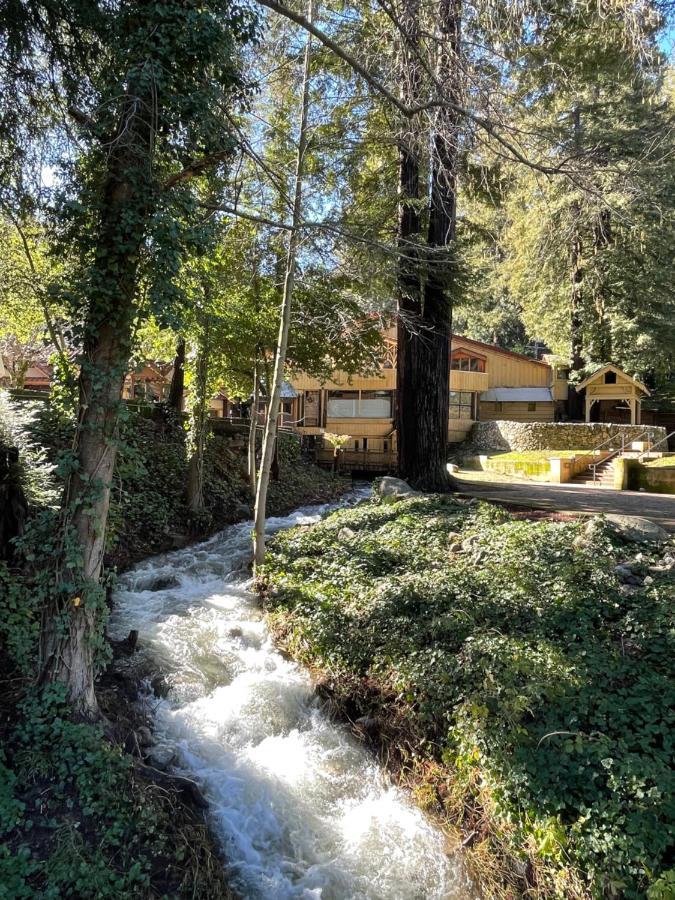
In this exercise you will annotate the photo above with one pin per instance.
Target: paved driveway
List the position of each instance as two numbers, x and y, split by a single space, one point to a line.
660 508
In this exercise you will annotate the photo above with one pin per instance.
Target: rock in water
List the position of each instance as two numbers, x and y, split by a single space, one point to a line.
161 756
163 583
395 488
636 528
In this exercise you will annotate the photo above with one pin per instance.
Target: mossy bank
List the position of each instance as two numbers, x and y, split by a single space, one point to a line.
508 676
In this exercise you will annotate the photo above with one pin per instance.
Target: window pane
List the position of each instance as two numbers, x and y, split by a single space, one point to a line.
375 409
341 408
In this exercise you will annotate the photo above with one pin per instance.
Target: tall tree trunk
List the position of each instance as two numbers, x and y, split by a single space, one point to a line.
275 470
576 265
576 303
252 435
195 483
409 286
602 239
175 399
574 400
425 371
274 395
69 625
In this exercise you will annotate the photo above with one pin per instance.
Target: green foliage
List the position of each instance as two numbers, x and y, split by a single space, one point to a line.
147 495
515 660
70 823
35 472
19 613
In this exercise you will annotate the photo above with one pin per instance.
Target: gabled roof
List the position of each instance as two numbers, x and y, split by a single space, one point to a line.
493 348
517 395
288 392
611 368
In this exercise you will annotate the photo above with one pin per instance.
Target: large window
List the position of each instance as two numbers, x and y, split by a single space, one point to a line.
359 404
466 362
462 405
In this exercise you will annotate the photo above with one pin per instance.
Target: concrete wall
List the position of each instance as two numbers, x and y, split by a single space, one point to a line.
631 475
503 435
555 470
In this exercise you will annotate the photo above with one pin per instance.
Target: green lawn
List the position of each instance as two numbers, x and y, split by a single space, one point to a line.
663 462
530 698
536 455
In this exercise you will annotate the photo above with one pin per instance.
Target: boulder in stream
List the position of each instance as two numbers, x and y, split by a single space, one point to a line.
392 489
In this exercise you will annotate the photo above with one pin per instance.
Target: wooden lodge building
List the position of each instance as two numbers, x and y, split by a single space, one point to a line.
486 383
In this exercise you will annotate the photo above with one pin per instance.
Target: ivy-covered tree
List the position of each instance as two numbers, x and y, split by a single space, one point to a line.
147 87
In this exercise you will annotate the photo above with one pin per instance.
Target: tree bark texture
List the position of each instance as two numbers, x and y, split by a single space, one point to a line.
423 369
274 401
195 483
409 225
70 624
253 434
177 388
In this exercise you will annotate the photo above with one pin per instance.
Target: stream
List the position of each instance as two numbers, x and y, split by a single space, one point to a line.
302 810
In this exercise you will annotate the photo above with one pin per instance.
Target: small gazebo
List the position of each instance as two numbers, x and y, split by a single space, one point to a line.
610 387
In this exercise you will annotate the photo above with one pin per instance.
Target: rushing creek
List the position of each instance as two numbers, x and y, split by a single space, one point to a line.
301 808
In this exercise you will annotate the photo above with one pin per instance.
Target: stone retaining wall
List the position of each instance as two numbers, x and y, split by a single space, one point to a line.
503 435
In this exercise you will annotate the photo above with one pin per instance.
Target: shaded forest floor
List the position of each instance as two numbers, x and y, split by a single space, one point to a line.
508 672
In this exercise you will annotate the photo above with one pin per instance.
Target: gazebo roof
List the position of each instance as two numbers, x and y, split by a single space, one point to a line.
599 373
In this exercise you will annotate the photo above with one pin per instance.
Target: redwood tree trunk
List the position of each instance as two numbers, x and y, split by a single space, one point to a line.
424 368
175 398
409 288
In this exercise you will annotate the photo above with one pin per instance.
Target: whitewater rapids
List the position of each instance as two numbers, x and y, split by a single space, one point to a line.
301 808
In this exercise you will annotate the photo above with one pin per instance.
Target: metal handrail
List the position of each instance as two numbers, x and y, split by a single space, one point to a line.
619 450
653 446
613 437
609 439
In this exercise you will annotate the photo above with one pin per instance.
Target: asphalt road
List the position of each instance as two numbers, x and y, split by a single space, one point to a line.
660 508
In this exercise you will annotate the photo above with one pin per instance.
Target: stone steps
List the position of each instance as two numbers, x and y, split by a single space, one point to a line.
604 476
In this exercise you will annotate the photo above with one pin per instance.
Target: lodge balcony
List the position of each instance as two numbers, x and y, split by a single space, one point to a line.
476 382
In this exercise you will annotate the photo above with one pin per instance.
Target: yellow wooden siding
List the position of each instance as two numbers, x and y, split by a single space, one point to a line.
360 427
468 381
560 389
517 412
340 381
506 371
618 391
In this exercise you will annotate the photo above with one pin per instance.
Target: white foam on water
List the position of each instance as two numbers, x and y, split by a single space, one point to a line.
303 811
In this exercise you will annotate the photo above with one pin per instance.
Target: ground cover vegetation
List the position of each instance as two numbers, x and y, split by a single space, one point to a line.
507 673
